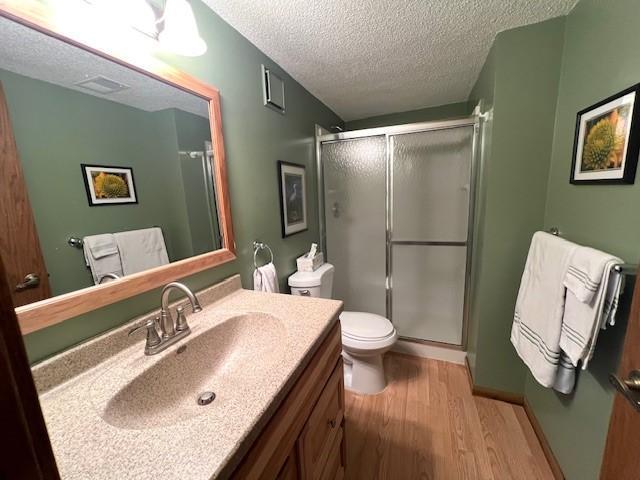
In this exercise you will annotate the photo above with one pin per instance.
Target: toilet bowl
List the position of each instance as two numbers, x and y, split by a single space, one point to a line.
366 337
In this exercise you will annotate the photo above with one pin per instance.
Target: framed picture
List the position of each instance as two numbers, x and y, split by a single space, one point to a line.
607 140
293 197
109 185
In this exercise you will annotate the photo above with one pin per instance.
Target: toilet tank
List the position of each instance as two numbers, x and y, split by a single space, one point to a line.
318 283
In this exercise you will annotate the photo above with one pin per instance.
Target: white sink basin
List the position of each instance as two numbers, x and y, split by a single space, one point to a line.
158 391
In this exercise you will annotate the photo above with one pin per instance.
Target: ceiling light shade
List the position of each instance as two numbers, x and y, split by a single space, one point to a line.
180 34
137 13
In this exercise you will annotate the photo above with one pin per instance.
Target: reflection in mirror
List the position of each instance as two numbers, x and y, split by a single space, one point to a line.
117 168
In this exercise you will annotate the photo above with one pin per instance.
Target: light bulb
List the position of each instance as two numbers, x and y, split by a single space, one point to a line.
180 34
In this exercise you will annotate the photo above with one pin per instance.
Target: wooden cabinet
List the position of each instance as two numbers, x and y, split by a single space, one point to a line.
290 469
323 428
305 437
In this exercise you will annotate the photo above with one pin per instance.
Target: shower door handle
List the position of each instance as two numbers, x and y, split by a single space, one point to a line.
335 208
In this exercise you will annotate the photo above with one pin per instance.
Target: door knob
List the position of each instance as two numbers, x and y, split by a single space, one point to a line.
30 281
629 388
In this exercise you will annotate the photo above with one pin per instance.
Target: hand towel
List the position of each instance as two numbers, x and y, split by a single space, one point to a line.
102 256
265 279
584 307
141 250
537 321
585 272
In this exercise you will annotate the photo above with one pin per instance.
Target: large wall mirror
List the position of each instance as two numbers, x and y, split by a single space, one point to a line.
112 175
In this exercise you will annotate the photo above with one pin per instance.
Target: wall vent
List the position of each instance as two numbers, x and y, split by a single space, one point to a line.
273 90
102 85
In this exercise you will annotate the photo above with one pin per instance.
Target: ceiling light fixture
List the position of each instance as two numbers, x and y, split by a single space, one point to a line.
180 34
176 30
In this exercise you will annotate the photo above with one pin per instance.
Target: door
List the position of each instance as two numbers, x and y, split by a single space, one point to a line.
355 214
26 451
621 459
431 187
19 244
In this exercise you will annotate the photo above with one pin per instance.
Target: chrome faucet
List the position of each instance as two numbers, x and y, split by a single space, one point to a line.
169 331
167 326
112 276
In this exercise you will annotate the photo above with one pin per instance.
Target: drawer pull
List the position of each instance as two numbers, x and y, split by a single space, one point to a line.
332 423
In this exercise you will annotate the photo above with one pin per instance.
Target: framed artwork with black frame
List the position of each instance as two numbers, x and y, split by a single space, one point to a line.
109 185
292 181
607 140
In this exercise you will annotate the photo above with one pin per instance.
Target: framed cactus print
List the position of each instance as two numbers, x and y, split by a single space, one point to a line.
109 185
607 140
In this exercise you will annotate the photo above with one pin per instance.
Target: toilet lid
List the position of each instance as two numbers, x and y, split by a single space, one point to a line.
367 326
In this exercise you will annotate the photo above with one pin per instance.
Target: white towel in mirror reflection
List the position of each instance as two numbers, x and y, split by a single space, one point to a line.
141 250
102 256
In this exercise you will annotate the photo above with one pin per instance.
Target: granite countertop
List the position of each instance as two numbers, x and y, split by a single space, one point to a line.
273 345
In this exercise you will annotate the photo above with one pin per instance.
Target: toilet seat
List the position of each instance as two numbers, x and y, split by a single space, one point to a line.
364 332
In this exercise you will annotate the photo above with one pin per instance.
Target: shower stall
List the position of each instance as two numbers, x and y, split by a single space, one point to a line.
397 223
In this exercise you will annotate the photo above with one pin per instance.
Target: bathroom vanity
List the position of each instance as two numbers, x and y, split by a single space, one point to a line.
272 361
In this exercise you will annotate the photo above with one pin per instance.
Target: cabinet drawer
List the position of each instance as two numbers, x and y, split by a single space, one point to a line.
324 424
334 468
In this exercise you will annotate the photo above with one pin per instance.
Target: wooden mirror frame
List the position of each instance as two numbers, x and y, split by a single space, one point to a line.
38 315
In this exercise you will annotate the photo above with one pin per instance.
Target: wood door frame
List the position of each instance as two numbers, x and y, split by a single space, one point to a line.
26 451
38 315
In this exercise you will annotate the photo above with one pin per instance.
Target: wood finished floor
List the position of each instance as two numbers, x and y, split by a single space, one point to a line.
428 425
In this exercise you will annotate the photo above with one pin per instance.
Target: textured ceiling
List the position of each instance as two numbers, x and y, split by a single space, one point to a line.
372 57
30 53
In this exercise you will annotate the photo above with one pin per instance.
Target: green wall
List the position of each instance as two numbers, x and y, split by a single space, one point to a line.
518 87
255 139
599 59
586 56
56 130
440 112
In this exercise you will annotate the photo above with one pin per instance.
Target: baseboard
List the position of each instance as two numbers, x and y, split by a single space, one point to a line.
546 448
498 395
434 352
469 375
492 393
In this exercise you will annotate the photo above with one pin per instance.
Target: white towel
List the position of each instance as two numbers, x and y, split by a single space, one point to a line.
540 305
141 250
265 279
587 282
585 272
102 256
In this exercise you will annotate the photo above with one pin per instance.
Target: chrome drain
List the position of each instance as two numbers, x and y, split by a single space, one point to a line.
205 398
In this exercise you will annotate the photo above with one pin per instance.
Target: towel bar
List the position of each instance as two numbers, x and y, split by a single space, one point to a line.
624 268
77 242
257 246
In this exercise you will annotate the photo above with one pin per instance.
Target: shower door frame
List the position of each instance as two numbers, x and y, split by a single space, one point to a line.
388 132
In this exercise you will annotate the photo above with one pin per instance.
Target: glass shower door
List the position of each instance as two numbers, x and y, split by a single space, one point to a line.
355 219
430 185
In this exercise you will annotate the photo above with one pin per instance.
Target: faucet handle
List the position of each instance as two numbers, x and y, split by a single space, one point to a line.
181 320
153 338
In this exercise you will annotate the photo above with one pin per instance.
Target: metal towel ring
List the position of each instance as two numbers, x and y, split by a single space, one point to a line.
257 246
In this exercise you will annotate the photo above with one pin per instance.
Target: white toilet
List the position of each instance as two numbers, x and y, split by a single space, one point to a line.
365 336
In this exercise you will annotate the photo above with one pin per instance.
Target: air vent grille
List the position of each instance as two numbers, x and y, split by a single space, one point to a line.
102 85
